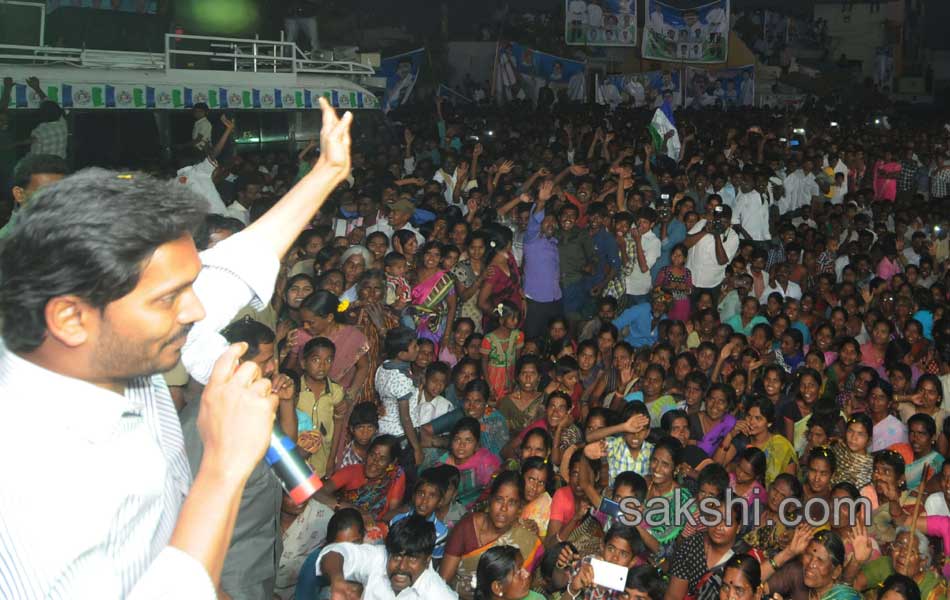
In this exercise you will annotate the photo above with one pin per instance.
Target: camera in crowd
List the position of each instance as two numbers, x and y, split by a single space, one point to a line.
718 224
664 207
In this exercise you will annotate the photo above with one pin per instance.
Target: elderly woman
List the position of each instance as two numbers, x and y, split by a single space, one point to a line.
355 260
477 532
909 556
813 565
373 319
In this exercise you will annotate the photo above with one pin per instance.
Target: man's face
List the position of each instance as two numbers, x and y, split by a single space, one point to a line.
399 218
548 226
403 570
251 193
198 113
143 332
426 499
37 182
567 219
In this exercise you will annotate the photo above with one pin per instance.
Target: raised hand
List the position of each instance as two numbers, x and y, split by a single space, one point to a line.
596 450
860 542
544 172
506 167
545 191
408 136
334 144
33 82
803 535
579 170
477 151
636 423
229 124
283 386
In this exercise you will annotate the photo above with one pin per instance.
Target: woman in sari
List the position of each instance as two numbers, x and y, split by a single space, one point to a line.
795 414
772 535
476 532
888 429
469 272
909 555
475 463
525 404
849 353
354 262
571 517
373 319
713 423
821 570
322 314
661 483
853 463
433 296
755 431
536 514
502 279
375 488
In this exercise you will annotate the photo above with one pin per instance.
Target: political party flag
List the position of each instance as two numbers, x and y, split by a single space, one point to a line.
662 124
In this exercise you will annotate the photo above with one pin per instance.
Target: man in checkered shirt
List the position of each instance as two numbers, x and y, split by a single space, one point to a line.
51 135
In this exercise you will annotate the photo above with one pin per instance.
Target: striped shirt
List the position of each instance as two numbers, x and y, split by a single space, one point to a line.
93 481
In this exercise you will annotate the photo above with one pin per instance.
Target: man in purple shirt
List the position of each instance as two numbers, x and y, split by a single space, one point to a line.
541 267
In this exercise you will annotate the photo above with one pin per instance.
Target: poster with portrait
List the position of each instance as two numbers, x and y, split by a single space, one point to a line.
640 90
722 89
401 73
522 73
698 34
600 22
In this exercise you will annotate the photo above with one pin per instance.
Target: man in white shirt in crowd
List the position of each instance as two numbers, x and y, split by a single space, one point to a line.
712 244
102 291
400 569
646 250
248 191
399 214
751 217
199 170
800 184
781 284
201 130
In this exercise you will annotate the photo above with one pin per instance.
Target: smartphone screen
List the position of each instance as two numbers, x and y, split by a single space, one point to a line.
609 507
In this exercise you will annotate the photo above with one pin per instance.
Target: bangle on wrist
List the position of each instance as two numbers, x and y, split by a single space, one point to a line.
775 565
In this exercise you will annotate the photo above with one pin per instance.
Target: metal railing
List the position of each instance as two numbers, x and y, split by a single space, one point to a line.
254 55
184 51
40 7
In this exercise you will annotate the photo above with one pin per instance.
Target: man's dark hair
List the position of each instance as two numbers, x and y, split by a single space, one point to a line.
342 520
646 579
88 235
213 223
364 413
251 332
412 536
715 475
37 164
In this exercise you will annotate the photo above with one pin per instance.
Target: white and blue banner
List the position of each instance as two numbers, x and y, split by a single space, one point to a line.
640 90
722 89
401 73
698 34
521 73
600 22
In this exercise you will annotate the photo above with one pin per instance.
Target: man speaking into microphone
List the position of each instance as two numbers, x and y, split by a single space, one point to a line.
101 290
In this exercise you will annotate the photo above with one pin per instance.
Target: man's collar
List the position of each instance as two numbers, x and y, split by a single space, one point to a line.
397 365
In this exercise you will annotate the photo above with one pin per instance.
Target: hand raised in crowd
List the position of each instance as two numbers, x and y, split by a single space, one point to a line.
636 423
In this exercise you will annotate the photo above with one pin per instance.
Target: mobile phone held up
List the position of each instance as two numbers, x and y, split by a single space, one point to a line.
609 575
609 508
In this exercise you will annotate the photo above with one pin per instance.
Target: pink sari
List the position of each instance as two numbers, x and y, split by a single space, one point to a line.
429 306
885 188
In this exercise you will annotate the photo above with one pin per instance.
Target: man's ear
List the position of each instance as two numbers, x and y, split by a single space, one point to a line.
19 195
70 319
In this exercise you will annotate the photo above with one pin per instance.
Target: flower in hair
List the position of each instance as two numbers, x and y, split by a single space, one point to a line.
500 310
343 305
492 244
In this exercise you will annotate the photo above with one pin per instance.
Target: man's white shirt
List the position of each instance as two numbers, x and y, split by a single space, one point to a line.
198 178
366 564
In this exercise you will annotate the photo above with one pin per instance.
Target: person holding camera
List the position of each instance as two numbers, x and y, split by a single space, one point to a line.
712 244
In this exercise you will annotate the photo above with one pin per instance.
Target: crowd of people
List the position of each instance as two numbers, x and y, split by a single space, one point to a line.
503 325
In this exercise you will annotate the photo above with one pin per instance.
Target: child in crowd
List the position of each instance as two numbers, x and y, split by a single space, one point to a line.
500 350
565 378
432 404
426 498
319 400
362 428
397 286
398 394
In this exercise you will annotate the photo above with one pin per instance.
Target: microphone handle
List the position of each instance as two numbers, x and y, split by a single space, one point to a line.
294 473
